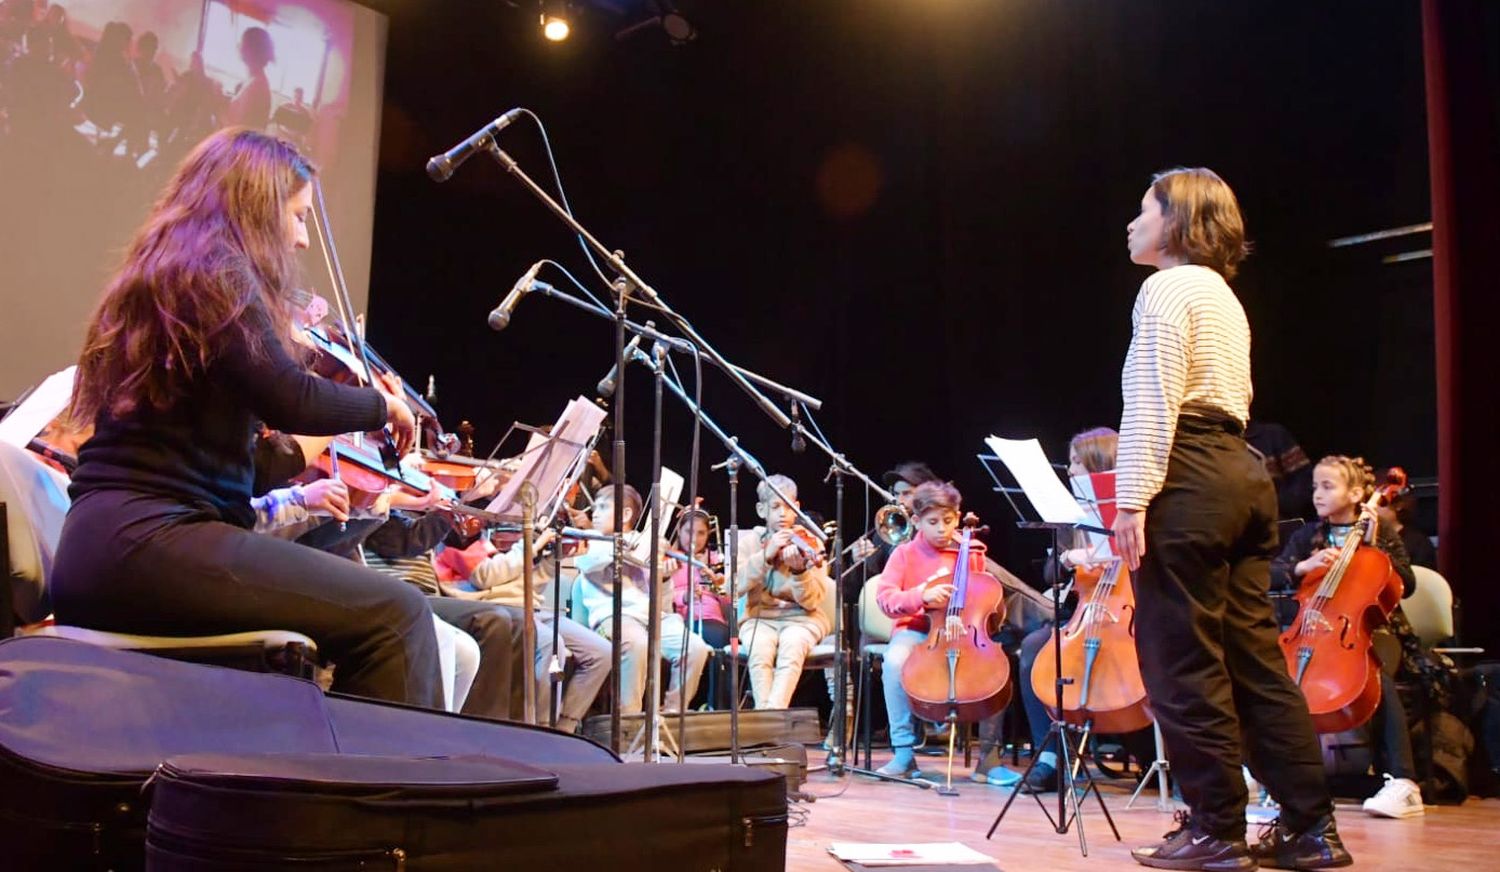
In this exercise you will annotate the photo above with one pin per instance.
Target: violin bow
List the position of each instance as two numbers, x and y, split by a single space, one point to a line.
353 336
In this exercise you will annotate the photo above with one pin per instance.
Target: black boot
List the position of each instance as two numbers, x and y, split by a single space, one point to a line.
1190 847
1317 847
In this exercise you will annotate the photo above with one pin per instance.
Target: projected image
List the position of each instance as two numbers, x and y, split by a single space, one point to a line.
140 82
101 99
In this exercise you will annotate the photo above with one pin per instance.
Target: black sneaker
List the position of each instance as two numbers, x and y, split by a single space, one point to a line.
1041 779
1317 847
1190 847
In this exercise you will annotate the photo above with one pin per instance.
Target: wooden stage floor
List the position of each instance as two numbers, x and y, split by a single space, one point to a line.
1462 838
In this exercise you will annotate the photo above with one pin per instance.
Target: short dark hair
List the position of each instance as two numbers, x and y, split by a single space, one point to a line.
1203 221
935 495
633 501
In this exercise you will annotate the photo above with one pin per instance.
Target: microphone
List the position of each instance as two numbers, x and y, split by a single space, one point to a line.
500 315
441 166
606 386
799 443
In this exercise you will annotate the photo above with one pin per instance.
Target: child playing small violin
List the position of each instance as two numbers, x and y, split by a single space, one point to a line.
788 599
916 578
1341 485
705 580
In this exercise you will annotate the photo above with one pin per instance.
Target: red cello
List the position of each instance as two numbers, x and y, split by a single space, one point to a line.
959 673
1098 648
1328 649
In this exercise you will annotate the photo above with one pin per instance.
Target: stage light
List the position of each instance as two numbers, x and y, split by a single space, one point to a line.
554 21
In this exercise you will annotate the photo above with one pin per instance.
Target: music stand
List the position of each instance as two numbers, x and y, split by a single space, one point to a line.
551 464
1057 510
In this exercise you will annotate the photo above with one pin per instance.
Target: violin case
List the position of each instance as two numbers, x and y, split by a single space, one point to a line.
239 770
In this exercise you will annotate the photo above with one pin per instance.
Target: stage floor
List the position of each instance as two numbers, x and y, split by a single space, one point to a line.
1446 838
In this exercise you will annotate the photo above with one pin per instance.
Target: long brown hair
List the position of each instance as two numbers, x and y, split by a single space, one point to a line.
213 245
1203 221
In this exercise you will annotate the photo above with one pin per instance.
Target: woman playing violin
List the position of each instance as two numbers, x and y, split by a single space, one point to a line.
187 350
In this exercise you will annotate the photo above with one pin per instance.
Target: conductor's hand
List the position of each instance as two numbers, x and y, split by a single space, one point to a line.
1130 536
402 422
937 595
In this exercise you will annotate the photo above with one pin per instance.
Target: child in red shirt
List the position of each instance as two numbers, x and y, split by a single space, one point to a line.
916 578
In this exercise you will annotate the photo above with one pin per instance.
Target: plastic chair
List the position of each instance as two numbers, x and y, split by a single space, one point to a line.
875 629
1430 606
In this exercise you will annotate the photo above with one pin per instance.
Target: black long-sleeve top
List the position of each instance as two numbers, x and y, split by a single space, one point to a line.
1314 536
199 450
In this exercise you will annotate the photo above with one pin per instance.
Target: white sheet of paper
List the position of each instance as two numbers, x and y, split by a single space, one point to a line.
671 491
38 409
908 854
1028 464
547 467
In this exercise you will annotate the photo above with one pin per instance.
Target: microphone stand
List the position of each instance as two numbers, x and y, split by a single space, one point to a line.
555 669
731 467
628 282
737 457
617 470
632 283
840 750
652 752
648 330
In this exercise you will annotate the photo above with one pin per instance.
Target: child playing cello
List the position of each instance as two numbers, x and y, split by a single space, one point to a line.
1341 485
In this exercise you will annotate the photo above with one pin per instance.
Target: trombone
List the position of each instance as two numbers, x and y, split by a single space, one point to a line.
892 526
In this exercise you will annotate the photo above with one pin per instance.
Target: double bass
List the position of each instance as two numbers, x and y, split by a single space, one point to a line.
1327 649
959 673
1098 652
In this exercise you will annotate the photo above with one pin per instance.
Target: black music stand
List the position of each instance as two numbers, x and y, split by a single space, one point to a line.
1069 760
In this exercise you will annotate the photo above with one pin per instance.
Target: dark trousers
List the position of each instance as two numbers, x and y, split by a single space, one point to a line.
1215 675
1037 719
136 563
499 686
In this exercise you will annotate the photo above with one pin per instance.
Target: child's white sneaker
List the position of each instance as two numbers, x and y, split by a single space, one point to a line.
1399 798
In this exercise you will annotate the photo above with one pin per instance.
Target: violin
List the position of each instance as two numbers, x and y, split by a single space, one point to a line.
804 552
1327 649
1098 651
338 356
960 673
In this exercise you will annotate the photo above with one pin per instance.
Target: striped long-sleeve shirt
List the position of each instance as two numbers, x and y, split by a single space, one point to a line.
1191 345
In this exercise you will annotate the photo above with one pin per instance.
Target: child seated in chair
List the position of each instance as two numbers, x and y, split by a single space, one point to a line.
788 599
597 585
914 581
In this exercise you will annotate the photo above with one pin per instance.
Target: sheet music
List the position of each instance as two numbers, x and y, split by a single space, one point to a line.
908 854
671 492
551 463
38 409
1032 471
